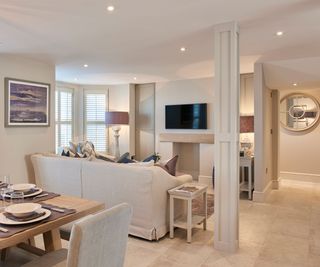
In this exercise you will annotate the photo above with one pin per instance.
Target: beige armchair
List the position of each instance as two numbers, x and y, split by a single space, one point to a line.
98 240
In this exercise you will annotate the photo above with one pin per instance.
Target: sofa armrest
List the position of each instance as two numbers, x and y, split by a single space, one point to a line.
185 178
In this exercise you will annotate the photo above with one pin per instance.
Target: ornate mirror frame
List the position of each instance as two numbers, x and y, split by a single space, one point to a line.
299 111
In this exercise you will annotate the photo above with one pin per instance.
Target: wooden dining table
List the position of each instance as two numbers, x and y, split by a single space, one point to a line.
50 229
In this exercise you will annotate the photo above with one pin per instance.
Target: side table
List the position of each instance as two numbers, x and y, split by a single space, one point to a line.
246 162
188 192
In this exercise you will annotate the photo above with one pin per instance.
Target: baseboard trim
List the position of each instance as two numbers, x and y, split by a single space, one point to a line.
276 183
261 196
207 180
300 177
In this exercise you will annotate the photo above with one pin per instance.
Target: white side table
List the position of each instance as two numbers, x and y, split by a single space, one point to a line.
191 220
246 162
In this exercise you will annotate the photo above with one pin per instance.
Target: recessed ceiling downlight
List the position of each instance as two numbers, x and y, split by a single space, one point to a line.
110 8
85 65
295 84
135 78
183 49
279 33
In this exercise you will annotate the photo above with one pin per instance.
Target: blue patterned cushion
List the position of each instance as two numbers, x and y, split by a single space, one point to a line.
124 158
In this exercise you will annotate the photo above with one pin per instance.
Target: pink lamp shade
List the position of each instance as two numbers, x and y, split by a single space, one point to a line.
117 117
246 124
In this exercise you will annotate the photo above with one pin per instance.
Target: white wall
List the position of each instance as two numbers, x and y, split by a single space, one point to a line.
299 152
17 143
263 139
183 92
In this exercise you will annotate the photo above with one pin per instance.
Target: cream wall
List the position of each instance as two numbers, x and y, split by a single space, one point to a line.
17 143
183 92
186 92
263 138
299 152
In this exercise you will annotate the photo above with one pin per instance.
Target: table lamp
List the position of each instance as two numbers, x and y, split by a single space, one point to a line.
246 126
116 119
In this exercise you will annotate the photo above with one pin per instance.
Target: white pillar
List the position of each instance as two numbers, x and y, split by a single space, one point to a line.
226 128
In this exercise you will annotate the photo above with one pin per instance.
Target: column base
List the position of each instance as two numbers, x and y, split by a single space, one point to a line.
227 247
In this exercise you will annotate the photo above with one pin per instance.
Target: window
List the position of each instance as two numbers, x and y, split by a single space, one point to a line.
94 120
64 117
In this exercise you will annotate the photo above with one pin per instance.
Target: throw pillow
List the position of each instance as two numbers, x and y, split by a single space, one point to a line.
65 153
79 147
154 157
88 149
170 165
73 147
68 153
82 149
125 158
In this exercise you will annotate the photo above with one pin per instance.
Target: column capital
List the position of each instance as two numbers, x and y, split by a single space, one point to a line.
227 26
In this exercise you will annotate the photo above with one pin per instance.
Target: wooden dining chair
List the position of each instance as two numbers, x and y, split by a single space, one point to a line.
98 240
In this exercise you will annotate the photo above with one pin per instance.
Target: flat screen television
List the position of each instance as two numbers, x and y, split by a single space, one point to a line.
188 116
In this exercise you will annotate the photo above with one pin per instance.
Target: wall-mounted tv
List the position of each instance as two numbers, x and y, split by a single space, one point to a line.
188 116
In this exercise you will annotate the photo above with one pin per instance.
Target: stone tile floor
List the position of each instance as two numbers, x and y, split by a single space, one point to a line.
284 231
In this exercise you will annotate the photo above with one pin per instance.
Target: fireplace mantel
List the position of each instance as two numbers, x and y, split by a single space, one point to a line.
187 138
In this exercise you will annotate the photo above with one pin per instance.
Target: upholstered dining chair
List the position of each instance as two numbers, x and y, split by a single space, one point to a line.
98 240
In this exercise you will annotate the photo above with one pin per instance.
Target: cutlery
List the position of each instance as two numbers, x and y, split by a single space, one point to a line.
42 195
4 230
53 208
57 209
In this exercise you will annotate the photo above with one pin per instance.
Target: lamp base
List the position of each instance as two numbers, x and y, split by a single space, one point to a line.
116 129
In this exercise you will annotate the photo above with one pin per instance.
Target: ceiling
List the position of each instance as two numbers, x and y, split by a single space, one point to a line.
142 38
293 74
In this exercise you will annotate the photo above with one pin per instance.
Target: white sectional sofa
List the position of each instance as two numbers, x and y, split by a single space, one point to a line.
144 188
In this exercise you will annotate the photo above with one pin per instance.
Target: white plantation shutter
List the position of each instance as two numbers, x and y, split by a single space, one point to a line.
95 129
64 117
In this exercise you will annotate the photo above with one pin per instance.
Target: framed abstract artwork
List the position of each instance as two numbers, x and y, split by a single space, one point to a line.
27 103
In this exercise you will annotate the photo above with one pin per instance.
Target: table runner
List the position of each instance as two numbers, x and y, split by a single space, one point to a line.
13 229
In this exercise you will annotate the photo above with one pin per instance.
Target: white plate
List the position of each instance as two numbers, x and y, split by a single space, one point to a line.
7 221
23 209
22 187
30 195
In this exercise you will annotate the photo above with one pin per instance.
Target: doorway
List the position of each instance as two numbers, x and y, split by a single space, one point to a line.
145 120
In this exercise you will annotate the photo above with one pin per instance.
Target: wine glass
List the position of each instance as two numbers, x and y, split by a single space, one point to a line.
3 192
6 181
17 197
5 188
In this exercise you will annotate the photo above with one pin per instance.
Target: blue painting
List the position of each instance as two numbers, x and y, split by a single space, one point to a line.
27 103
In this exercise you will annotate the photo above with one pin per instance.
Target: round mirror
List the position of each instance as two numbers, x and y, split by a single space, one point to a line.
298 112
